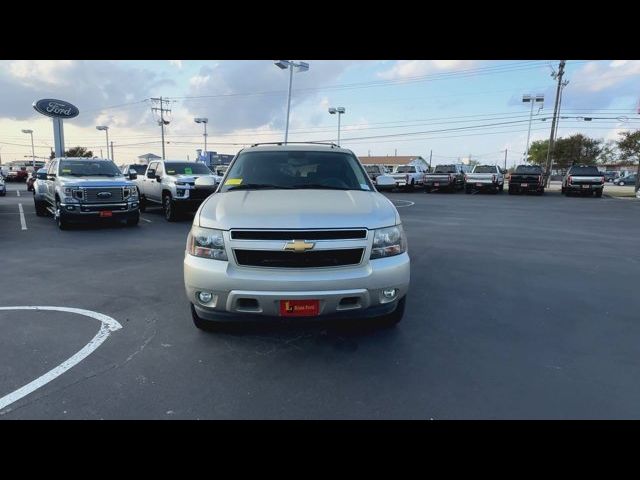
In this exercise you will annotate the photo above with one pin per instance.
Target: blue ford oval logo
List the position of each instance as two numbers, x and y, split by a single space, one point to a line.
55 108
104 195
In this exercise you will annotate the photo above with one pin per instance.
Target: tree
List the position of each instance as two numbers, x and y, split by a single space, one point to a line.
538 152
78 152
629 146
609 153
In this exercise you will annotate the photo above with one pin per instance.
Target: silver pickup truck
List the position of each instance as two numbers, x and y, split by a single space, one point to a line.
583 179
85 189
409 176
296 231
176 185
484 177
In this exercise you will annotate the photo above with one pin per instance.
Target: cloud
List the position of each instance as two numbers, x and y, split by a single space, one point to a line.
90 85
176 63
404 69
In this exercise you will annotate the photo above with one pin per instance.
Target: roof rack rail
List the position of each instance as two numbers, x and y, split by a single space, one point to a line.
297 143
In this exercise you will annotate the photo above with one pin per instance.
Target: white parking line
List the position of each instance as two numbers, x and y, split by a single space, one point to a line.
107 325
408 203
23 222
148 221
18 192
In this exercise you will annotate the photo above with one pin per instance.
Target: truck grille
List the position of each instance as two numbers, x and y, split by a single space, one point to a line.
298 234
93 195
282 259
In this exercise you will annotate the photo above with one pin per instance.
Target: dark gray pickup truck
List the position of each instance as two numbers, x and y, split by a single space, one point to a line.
527 178
584 180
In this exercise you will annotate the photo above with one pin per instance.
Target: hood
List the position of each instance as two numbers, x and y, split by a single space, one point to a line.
279 209
95 181
188 178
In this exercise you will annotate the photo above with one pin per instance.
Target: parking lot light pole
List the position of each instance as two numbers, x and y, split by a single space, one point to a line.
339 111
33 153
532 100
204 121
106 129
302 67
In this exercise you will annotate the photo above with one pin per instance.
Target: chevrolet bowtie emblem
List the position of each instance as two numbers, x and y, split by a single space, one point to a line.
298 246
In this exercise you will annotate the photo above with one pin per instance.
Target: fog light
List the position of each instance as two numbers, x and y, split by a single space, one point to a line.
205 297
70 207
389 293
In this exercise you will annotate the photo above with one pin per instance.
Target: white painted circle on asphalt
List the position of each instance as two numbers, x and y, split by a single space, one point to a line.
405 203
107 325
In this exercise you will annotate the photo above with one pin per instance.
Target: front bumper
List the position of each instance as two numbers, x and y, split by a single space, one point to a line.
80 211
341 291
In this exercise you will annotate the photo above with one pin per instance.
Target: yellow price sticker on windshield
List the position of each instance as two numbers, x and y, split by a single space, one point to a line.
66 170
171 172
233 181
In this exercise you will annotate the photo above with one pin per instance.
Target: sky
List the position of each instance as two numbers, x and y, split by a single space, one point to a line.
443 109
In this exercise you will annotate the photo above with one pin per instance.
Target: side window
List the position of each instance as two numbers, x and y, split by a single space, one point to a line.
151 171
53 167
159 169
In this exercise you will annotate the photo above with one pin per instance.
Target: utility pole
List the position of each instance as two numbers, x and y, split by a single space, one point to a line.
430 157
553 123
162 122
112 158
505 158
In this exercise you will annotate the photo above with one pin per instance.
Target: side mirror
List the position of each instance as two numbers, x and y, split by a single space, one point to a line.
133 175
158 178
51 176
41 175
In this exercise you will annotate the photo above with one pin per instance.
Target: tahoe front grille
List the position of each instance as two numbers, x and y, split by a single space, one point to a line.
310 259
100 195
298 234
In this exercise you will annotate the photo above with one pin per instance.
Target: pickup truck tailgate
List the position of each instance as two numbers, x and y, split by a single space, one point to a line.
585 180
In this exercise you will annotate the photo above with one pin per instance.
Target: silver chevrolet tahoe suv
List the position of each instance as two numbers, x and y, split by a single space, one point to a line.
296 231
85 189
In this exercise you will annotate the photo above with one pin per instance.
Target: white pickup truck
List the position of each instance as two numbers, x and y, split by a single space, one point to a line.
484 177
409 176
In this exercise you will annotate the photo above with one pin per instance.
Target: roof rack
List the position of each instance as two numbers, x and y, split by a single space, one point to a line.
297 143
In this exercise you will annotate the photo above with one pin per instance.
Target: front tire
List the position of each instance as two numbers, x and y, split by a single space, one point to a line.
60 220
133 221
393 318
206 325
169 208
143 204
41 208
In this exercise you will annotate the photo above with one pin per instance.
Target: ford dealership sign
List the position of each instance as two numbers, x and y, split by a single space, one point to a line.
56 108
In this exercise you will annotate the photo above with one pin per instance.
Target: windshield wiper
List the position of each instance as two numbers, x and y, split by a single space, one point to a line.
321 186
254 186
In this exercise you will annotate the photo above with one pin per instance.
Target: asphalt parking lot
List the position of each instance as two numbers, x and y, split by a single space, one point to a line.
520 307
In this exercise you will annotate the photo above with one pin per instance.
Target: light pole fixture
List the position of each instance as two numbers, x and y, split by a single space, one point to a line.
531 99
205 121
290 64
106 129
339 111
33 153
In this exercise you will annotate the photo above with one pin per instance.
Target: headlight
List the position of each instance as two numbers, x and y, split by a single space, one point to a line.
388 242
206 243
181 184
131 192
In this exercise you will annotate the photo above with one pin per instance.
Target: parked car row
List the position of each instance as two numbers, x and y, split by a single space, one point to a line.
78 190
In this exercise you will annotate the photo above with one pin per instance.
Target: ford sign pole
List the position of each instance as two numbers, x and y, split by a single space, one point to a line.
57 110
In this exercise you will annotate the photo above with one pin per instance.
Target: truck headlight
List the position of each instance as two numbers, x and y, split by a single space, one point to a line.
206 243
388 242
131 193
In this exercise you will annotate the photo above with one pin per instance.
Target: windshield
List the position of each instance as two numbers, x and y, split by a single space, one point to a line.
296 169
140 169
485 169
406 169
529 169
88 167
585 171
372 168
445 169
186 168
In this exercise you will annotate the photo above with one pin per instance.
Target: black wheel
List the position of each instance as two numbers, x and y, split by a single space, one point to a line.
427 189
511 191
143 204
60 220
467 190
502 187
169 208
598 193
133 221
206 325
394 317
41 208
